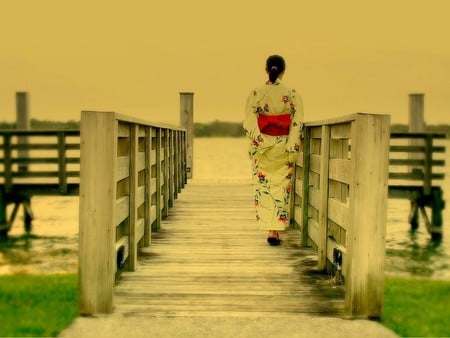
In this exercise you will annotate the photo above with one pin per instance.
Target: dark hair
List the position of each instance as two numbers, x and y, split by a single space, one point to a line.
275 65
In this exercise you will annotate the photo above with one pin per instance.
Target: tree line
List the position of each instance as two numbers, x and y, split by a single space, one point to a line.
211 129
43 124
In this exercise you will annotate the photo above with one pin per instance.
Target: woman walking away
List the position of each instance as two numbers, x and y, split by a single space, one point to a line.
273 122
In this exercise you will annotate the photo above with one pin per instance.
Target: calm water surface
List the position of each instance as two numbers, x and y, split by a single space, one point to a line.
53 247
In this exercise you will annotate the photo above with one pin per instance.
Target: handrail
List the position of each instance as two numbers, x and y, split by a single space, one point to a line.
24 160
412 162
340 202
131 171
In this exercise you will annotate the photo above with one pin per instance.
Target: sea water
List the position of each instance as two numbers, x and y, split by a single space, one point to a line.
53 245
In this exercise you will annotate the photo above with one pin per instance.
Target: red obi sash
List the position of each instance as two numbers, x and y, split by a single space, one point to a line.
274 125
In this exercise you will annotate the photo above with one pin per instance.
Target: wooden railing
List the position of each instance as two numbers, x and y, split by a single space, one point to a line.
131 171
340 203
414 174
38 162
38 158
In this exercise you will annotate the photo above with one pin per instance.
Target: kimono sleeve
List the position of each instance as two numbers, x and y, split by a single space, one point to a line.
296 128
258 142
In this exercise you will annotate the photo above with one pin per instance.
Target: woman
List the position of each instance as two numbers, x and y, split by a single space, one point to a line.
273 122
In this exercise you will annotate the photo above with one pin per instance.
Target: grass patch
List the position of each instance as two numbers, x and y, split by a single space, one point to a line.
417 307
44 305
37 305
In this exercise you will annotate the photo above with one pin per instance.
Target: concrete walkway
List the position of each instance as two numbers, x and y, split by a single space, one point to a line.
290 326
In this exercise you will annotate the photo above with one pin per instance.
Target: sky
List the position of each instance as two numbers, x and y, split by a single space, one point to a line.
134 57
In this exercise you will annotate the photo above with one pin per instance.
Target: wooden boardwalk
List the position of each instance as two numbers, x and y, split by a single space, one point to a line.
209 259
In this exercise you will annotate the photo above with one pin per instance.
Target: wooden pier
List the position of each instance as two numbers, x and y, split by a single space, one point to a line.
210 259
206 256
414 174
38 162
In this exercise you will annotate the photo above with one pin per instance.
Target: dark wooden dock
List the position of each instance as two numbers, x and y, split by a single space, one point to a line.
209 259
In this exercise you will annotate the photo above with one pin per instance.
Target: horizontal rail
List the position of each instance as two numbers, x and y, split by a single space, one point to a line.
50 154
340 202
131 172
414 160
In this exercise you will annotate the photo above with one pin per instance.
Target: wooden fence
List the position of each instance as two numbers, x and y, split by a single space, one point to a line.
340 203
39 157
131 171
414 174
38 162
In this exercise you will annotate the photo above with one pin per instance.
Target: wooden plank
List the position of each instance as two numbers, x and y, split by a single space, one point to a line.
339 170
7 164
409 162
123 167
133 182
165 174
148 187
415 149
140 196
140 229
338 213
158 179
314 163
97 201
122 209
314 198
123 130
62 169
341 131
323 200
313 230
140 161
216 265
368 212
305 186
414 176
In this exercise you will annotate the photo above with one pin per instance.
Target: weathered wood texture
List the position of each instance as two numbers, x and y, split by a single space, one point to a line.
50 158
209 259
127 183
340 202
421 172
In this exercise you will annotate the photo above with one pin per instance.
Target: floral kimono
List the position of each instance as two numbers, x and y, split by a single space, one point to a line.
273 122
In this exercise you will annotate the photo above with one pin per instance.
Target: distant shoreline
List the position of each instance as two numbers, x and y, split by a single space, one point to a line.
211 129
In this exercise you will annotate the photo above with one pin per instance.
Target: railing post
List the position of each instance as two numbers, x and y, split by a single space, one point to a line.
427 180
305 192
133 181
166 173
157 224
62 170
7 162
323 210
171 169
23 123
416 125
97 235
187 122
148 187
368 206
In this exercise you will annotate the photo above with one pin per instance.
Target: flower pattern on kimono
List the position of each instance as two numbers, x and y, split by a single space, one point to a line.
276 154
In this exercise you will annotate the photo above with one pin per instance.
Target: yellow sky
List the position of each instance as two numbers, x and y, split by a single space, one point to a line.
135 56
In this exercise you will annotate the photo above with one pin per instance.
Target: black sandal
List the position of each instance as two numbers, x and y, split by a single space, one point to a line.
273 240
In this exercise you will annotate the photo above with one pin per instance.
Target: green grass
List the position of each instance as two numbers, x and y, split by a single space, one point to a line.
44 305
37 305
417 307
